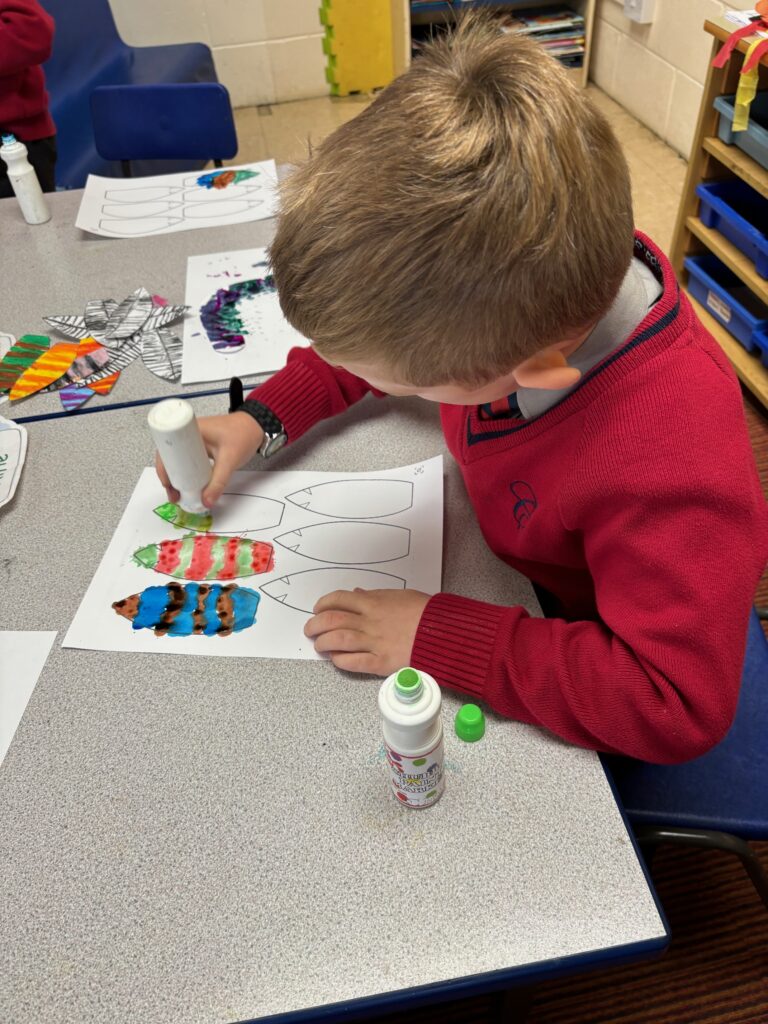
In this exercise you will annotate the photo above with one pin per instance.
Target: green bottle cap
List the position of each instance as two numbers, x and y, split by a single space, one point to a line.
408 684
470 723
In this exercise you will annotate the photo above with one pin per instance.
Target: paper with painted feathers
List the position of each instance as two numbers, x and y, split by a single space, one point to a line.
278 542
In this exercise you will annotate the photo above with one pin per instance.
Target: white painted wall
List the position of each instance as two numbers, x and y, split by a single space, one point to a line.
657 71
265 51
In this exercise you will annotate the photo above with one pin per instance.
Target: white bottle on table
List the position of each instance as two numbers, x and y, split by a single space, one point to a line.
178 440
409 702
24 183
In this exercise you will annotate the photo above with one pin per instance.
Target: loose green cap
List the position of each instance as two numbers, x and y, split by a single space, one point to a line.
408 684
470 723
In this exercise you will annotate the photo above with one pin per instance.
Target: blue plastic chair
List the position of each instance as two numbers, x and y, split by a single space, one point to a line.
720 800
88 52
190 121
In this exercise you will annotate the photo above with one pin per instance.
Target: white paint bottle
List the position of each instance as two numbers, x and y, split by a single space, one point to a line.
23 179
409 702
178 440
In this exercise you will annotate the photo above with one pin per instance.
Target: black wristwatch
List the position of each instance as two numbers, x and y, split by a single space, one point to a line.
274 431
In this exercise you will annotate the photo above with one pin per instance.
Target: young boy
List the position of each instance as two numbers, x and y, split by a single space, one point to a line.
26 37
469 239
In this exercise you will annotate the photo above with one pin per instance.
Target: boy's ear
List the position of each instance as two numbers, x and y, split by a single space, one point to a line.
548 370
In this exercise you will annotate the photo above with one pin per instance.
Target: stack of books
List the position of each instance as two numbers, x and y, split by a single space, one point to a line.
559 30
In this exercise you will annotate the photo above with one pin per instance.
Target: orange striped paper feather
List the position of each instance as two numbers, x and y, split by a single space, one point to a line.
105 385
48 368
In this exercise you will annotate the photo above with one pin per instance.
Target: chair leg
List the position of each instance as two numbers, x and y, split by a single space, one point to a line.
653 835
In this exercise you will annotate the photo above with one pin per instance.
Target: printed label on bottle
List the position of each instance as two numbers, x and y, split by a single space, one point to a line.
417 781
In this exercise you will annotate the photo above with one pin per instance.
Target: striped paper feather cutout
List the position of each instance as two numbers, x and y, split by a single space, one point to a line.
191 609
97 313
162 316
118 361
161 353
104 385
26 351
49 367
200 556
73 397
91 356
129 317
72 326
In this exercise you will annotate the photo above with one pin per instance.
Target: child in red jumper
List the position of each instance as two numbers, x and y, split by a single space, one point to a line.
469 239
26 37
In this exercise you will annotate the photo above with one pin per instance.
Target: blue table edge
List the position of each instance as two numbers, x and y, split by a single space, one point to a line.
491 981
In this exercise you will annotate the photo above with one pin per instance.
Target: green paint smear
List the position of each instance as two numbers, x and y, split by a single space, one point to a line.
171 513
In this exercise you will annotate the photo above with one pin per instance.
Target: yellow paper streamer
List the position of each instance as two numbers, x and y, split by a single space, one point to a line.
745 92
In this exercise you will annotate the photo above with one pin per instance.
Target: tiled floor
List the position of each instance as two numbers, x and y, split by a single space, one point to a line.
285 130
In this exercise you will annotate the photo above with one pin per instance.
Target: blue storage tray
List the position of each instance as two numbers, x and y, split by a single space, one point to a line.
753 141
734 209
730 302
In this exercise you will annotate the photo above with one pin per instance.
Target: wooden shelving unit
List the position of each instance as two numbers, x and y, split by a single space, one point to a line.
446 12
712 160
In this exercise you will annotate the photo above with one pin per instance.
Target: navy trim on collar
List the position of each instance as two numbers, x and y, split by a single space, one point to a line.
661 324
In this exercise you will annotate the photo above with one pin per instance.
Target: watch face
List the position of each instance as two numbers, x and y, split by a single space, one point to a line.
272 443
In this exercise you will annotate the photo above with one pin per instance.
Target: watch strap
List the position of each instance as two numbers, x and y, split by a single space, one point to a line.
267 420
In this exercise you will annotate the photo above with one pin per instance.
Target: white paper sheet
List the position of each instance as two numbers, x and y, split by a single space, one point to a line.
160 205
22 657
330 531
267 335
13 452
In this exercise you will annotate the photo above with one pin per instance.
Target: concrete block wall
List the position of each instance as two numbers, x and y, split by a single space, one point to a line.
266 51
657 71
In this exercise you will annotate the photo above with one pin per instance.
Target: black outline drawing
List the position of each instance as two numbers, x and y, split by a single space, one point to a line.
338 501
344 528
327 589
230 531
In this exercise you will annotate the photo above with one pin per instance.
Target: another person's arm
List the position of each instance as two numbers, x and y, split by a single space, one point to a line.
26 35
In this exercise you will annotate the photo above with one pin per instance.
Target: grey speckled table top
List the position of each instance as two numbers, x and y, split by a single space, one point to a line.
56 268
206 840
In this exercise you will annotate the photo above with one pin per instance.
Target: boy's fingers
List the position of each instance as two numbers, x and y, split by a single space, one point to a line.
342 640
223 468
341 600
170 490
358 661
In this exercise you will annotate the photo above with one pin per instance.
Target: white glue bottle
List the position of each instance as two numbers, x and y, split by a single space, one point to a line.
177 437
409 702
24 183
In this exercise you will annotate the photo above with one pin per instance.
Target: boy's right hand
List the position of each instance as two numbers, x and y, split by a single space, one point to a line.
231 441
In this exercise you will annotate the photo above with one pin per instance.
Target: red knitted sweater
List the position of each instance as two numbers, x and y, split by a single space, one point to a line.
635 503
26 37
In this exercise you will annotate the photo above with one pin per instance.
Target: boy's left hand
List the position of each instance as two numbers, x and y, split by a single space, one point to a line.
367 630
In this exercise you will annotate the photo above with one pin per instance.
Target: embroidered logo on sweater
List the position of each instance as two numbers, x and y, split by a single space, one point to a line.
526 503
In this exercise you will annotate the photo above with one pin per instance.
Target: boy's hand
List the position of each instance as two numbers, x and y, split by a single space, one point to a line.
367 630
231 441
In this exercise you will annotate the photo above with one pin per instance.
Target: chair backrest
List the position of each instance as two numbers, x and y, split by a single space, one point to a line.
85 37
726 789
170 121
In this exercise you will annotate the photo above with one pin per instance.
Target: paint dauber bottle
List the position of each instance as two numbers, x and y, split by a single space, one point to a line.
23 179
177 437
409 702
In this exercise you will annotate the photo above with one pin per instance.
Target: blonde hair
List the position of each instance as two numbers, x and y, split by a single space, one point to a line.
477 211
